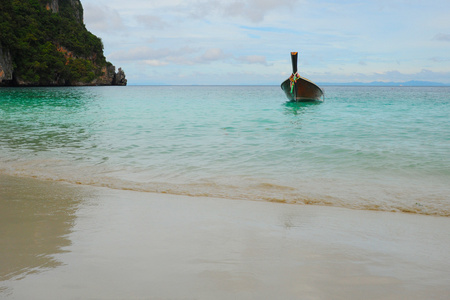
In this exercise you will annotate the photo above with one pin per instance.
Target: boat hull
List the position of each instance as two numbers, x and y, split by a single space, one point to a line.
302 91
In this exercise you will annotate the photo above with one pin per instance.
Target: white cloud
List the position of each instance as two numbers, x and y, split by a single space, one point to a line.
139 54
165 56
213 54
155 62
386 76
153 22
252 10
102 18
253 59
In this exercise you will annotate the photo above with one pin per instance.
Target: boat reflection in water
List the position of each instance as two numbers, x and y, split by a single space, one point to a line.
298 88
299 108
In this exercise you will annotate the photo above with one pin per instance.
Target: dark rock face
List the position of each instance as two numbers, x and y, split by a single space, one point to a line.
76 7
53 6
119 78
6 66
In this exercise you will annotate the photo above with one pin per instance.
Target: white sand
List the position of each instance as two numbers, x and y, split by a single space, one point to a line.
60 241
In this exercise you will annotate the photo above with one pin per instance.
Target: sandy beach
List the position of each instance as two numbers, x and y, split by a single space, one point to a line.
62 241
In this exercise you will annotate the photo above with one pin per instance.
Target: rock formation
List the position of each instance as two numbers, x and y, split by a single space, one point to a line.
6 66
119 78
53 6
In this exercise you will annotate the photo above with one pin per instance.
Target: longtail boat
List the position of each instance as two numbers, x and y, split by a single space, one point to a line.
298 88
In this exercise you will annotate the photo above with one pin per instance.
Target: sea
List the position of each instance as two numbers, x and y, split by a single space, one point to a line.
366 148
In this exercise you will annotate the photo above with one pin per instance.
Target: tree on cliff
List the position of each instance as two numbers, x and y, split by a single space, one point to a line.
50 45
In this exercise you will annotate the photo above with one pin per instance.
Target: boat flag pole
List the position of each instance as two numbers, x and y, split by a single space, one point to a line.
294 74
294 62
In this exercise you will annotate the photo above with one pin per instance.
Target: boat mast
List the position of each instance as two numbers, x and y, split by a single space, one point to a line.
294 72
294 62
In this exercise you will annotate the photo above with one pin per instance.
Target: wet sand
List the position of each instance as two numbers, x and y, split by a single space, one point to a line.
61 241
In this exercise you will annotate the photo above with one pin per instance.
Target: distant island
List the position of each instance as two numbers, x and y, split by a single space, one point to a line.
382 83
45 43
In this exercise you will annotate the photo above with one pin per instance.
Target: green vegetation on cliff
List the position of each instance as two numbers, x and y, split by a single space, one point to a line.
50 47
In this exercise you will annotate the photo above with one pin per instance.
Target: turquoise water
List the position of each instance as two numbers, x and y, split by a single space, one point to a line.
378 148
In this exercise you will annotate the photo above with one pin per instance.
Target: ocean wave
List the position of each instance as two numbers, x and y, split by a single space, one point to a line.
319 191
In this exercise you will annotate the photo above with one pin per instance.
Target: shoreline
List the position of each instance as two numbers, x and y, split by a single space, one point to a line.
65 241
311 195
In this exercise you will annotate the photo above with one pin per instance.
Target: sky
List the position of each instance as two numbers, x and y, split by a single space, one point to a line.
246 42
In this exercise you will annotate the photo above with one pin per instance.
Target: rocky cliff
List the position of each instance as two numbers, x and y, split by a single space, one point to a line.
6 65
45 43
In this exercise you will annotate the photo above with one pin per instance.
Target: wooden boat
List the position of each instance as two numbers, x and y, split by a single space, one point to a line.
298 88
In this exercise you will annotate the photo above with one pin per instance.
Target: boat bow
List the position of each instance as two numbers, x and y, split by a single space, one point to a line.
298 88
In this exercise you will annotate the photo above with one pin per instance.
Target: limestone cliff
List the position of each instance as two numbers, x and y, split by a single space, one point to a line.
6 65
53 6
45 43
75 7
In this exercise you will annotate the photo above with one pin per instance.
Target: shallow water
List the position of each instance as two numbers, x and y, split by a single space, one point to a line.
377 148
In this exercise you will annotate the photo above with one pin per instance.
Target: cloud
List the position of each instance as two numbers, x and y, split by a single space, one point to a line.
165 56
253 10
442 37
152 22
386 76
140 54
213 54
101 18
429 75
155 62
253 59
439 59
